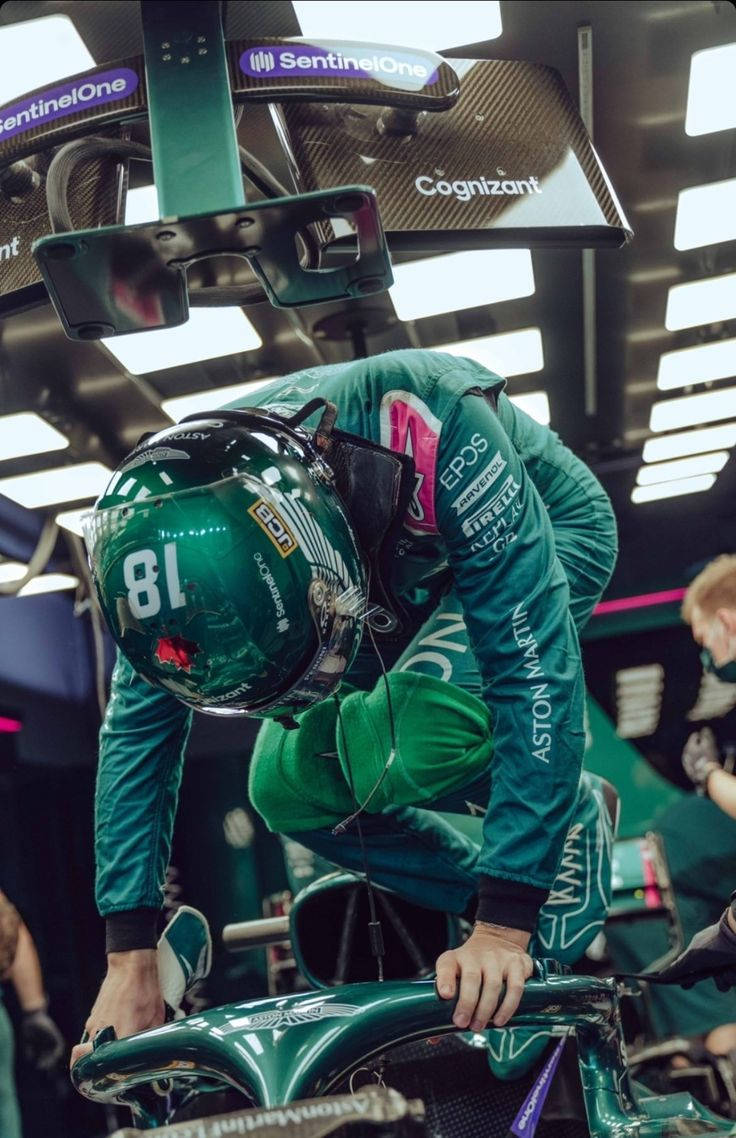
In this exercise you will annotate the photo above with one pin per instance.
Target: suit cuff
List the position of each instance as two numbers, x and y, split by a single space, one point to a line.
135 929
513 904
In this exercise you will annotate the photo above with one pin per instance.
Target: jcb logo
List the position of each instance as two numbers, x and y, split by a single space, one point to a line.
273 526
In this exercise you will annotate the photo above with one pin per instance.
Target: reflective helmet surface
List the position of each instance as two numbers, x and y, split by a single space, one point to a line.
226 567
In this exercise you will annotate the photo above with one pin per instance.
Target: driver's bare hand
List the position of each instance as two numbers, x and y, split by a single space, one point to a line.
492 956
129 999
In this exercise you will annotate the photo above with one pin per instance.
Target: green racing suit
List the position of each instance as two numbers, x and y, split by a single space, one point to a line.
510 540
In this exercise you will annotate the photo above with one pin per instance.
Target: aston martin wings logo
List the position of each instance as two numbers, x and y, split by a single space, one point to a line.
279 1018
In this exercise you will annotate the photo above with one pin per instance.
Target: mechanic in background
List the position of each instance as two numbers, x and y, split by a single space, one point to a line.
709 608
39 1037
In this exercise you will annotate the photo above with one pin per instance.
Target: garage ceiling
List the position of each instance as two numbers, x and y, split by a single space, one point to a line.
641 64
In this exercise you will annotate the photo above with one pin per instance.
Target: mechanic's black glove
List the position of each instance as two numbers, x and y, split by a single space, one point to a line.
700 757
711 953
42 1043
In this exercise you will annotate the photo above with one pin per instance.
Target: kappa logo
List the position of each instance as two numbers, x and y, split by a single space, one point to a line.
278 1018
274 526
485 479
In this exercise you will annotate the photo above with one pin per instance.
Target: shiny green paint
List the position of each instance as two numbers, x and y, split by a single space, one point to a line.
229 622
189 97
293 1047
120 279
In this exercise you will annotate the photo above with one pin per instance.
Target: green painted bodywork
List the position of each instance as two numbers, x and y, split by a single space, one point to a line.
279 1050
122 279
189 97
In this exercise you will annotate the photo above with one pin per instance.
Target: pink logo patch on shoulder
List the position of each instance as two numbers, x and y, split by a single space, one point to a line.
409 427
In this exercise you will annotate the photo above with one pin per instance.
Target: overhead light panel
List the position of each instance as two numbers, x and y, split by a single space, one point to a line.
210 400
711 95
141 205
208 334
43 583
508 353
454 281
643 676
49 583
436 26
535 404
689 442
65 484
36 53
682 468
674 489
706 215
701 302
716 697
72 519
700 364
638 700
688 410
28 433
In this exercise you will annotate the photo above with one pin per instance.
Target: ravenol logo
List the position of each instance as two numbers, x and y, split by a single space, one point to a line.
411 70
261 60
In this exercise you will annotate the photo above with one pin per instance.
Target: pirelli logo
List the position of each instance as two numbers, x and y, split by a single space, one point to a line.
274 526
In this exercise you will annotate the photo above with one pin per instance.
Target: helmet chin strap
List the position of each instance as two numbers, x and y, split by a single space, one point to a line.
375 932
323 431
341 827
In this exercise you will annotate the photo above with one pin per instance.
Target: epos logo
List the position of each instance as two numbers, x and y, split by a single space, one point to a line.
262 61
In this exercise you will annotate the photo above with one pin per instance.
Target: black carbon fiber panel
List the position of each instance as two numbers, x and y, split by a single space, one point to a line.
509 162
513 153
266 18
19 134
461 1097
94 192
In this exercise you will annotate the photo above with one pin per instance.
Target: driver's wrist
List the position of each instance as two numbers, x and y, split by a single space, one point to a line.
132 929
509 903
134 960
518 938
